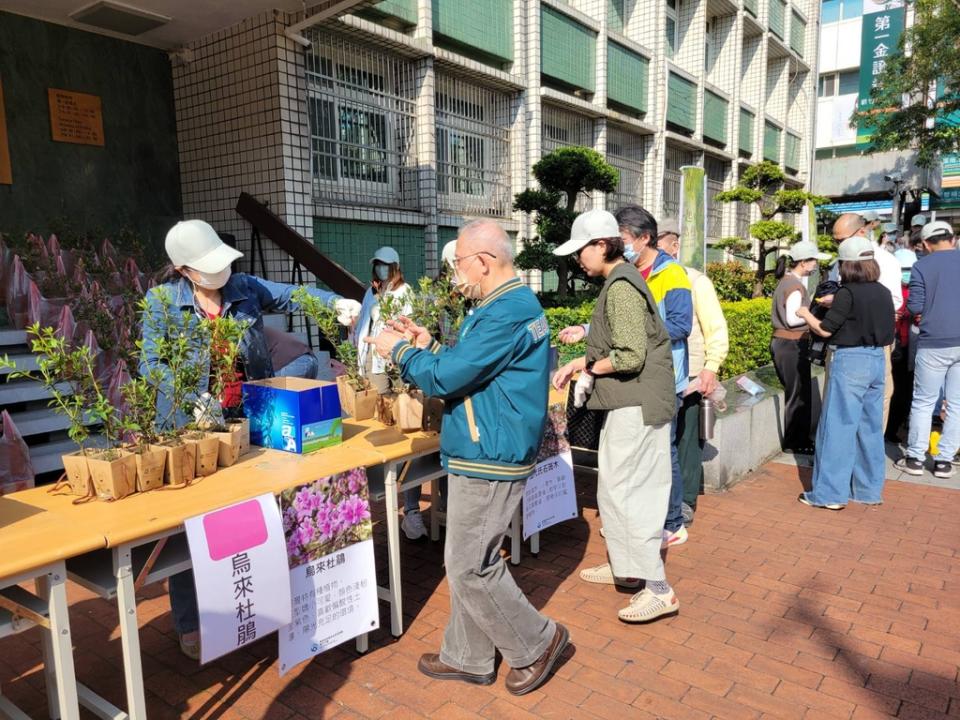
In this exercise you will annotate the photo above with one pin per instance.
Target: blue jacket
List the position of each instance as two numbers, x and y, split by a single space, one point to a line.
670 286
245 297
495 382
935 296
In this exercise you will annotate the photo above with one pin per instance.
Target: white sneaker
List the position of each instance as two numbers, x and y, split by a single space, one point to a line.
647 605
674 538
413 526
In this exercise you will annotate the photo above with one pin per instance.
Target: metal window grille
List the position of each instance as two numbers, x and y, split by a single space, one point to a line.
626 152
716 171
362 110
473 148
562 128
743 221
675 159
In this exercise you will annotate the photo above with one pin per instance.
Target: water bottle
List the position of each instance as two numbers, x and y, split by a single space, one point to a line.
708 418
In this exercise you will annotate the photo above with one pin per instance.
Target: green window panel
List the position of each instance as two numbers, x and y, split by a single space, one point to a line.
627 77
715 117
771 142
746 132
568 50
483 30
352 244
403 12
751 7
778 17
681 102
615 10
798 32
792 152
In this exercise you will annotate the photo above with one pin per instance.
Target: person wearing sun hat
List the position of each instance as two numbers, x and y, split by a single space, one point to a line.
627 371
204 286
791 342
850 462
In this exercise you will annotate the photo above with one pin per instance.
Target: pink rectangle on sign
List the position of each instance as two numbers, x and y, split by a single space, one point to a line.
235 529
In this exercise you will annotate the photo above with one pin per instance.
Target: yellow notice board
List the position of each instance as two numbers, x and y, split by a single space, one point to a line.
75 117
6 173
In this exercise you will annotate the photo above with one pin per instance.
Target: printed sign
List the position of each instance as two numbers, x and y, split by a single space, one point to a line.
550 495
693 217
333 577
882 25
75 117
243 591
6 172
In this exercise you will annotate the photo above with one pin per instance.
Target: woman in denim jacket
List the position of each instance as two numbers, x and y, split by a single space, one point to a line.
206 288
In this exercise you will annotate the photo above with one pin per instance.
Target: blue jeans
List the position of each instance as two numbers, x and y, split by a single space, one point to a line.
675 508
411 497
183 602
850 461
305 366
935 368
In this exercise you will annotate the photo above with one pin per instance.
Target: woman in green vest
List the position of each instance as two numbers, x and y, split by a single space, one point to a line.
628 371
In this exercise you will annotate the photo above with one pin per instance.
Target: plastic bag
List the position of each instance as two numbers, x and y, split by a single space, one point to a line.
16 470
18 294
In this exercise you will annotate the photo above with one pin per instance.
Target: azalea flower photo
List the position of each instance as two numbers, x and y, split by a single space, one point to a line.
325 516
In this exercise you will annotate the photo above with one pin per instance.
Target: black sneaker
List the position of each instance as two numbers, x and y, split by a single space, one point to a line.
909 465
942 469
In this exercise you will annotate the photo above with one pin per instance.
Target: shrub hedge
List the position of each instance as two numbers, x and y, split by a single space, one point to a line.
748 324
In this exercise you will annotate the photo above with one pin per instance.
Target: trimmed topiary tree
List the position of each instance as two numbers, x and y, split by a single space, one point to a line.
563 174
762 185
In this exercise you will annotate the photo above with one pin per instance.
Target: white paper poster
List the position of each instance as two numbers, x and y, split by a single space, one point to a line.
243 591
550 496
333 577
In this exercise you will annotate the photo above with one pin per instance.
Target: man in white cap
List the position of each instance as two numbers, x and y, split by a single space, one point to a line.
205 287
935 297
627 371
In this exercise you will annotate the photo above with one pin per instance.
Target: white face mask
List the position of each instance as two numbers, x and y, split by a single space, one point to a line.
381 271
629 253
211 281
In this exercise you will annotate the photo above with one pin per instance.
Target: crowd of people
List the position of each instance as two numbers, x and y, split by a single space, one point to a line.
654 347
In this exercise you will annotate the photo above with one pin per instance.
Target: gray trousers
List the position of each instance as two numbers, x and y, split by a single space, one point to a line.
488 612
633 491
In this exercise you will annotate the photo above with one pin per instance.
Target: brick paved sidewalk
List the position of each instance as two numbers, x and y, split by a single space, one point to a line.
786 612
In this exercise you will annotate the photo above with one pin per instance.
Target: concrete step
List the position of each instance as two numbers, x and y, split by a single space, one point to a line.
12 338
47 458
24 361
44 420
22 391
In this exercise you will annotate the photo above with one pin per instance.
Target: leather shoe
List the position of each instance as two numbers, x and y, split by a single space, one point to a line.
520 681
431 665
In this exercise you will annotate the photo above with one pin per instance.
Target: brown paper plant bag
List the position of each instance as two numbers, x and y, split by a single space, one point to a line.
114 473
408 411
432 414
151 465
385 409
234 441
78 473
208 452
181 466
360 405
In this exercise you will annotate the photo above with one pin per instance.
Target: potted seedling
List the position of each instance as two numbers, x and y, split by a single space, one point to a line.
231 430
67 373
357 398
140 395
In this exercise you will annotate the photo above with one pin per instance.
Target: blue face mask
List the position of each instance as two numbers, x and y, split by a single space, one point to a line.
382 271
629 253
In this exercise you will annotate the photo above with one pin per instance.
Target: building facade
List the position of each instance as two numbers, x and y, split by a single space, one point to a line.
401 121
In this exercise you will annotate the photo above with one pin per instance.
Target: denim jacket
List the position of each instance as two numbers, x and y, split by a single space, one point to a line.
244 297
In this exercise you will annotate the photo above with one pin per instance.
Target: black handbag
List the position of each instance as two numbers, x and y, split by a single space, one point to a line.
583 425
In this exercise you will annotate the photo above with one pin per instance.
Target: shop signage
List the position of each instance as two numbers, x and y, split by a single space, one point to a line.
75 117
881 27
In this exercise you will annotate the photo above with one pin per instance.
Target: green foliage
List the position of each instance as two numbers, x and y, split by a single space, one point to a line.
561 317
739 194
325 318
562 174
827 244
930 127
750 330
734 281
773 231
437 306
225 335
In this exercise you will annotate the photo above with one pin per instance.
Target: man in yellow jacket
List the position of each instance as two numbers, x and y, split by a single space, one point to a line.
707 347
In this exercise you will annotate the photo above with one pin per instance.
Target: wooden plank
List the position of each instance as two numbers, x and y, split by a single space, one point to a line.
6 171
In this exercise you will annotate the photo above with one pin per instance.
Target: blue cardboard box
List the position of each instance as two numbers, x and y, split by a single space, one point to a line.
293 414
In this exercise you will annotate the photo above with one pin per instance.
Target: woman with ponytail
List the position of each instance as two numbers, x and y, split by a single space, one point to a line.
791 342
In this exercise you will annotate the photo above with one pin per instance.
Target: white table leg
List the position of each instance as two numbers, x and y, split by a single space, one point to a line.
57 645
393 550
516 537
129 632
535 543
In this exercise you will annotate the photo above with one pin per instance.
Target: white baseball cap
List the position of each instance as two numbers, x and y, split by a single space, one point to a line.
806 250
449 252
194 244
386 255
905 257
918 220
936 229
856 248
589 226
870 215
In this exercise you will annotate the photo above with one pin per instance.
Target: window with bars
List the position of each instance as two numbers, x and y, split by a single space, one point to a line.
562 128
361 108
675 159
716 172
473 147
626 151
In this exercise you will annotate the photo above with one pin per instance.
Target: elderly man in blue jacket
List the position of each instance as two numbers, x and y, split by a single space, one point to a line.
495 383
